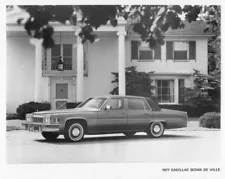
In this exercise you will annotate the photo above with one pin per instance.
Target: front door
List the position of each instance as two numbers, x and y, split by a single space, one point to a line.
114 118
62 91
61 95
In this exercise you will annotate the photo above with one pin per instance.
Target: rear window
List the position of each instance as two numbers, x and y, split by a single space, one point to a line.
154 106
135 104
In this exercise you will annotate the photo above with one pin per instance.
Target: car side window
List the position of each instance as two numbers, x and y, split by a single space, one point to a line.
135 104
115 103
145 105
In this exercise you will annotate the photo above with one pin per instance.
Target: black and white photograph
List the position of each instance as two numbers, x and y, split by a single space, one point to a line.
112 84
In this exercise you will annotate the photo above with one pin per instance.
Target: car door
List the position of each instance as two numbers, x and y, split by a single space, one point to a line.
138 114
113 116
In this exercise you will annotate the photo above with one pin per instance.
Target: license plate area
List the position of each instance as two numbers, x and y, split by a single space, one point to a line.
35 128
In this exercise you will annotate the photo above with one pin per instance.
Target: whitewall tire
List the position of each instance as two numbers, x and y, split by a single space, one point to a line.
155 130
74 132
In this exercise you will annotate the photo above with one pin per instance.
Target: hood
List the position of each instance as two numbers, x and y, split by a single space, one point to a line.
65 111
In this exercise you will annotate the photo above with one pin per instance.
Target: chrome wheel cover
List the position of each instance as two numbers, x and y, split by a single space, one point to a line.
76 132
157 129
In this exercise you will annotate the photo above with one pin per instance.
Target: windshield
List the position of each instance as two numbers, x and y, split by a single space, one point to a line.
92 103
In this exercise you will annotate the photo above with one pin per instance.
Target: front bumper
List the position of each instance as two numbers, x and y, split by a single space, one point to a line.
41 127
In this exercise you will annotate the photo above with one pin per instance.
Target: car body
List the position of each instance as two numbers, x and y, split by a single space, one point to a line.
106 114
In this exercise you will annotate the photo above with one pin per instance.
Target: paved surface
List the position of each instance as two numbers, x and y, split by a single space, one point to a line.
174 146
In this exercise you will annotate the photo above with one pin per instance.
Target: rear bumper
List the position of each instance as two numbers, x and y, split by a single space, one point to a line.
37 127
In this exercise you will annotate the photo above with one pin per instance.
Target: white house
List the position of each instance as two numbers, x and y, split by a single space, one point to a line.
32 74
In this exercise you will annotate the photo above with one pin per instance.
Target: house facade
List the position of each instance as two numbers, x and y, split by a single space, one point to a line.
32 73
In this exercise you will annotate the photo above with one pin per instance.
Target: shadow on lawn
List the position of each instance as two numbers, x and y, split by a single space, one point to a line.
116 139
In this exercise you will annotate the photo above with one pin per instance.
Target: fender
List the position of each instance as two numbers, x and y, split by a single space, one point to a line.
162 121
62 125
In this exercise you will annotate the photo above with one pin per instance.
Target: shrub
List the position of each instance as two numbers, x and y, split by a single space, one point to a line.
12 116
137 83
210 120
71 105
30 107
192 110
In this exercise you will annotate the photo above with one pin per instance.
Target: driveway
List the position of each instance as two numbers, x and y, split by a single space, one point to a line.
174 146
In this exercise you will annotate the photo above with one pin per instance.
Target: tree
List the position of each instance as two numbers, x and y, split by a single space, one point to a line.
213 21
137 83
150 21
207 87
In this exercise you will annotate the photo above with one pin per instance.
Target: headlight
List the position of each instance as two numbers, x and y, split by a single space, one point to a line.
28 119
51 120
54 120
47 119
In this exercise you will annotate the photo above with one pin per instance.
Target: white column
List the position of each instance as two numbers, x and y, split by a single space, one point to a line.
38 68
80 71
121 63
176 91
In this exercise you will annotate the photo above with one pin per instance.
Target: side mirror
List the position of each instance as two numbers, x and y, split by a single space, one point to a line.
107 107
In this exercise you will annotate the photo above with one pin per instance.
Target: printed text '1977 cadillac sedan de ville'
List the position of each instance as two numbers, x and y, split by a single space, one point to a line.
104 115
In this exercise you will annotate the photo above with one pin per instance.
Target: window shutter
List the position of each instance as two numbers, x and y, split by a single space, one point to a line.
158 52
169 50
44 60
134 50
192 50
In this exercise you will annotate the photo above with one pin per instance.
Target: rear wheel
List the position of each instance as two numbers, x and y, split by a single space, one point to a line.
129 134
74 132
155 129
50 136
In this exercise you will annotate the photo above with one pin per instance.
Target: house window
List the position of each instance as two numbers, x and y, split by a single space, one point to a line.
181 50
67 56
66 51
165 91
145 53
181 90
141 51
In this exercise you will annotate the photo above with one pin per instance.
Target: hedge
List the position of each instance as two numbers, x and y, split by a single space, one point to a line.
30 107
210 120
12 116
192 111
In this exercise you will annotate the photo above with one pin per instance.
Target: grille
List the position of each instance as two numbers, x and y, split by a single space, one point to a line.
38 119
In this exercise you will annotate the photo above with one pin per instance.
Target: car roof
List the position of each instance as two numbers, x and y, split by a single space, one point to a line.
121 96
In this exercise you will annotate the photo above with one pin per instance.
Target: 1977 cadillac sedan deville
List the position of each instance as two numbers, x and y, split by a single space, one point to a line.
104 115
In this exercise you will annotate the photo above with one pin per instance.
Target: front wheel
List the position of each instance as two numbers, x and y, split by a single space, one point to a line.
50 136
155 129
74 132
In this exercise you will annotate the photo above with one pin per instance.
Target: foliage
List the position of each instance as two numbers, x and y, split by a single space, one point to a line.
206 91
137 83
12 116
30 107
210 120
71 105
207 87
150 21
192 110
213 22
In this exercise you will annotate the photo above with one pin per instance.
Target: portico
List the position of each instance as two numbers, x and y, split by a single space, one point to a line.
79 73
